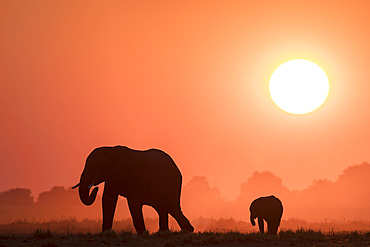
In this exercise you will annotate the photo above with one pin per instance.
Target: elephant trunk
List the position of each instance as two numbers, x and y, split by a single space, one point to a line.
85 196
252 220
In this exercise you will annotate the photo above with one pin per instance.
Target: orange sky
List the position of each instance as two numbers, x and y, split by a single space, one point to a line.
188 77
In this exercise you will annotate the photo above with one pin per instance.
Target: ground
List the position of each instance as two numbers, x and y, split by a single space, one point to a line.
41 238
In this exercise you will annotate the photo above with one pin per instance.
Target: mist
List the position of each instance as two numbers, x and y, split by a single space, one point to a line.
346 198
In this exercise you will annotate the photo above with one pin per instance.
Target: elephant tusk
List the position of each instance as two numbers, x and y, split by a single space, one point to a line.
74 187
91 185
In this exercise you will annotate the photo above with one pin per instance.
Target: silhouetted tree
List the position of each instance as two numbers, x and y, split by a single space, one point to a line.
263 183
200 199
58 197
18 197
259 184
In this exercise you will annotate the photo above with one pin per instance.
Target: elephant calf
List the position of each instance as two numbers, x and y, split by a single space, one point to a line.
269 209
148 177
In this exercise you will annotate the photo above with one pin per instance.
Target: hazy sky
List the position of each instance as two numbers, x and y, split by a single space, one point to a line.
188 77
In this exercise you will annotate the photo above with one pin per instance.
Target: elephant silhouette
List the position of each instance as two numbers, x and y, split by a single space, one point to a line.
148 177
269 209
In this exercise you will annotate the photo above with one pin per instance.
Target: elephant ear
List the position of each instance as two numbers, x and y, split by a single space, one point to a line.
123 169
98 164
116 164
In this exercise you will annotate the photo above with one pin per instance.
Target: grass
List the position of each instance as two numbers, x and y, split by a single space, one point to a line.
299 237
71 232
304 234
49 244
41 234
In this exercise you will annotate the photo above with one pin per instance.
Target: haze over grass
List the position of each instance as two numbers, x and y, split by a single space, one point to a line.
343 199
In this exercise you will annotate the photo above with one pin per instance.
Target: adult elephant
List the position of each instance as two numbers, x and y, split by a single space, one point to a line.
269 209
148 177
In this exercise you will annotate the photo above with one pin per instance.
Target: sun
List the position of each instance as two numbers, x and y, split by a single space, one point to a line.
299 86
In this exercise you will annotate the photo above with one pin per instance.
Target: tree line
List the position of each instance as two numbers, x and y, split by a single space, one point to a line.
344 198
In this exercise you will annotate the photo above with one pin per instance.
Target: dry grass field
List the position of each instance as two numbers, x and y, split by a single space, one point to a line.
300 237
70 232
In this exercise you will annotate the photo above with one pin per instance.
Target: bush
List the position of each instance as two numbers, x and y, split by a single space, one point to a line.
48 244
41 234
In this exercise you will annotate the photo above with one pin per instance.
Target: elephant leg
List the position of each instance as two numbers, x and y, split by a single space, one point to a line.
109 206
182 220
163 220
136 210
272 228
261 224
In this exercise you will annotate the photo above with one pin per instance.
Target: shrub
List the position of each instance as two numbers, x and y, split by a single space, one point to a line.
48 244
41 234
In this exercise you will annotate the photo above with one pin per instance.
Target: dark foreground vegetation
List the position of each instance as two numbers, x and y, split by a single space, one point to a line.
222 225
70 232
300 237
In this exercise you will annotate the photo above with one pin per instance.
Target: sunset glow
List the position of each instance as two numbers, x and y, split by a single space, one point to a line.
248 98
299 86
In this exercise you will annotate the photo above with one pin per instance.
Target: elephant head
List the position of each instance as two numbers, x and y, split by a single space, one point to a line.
92 175
254 213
